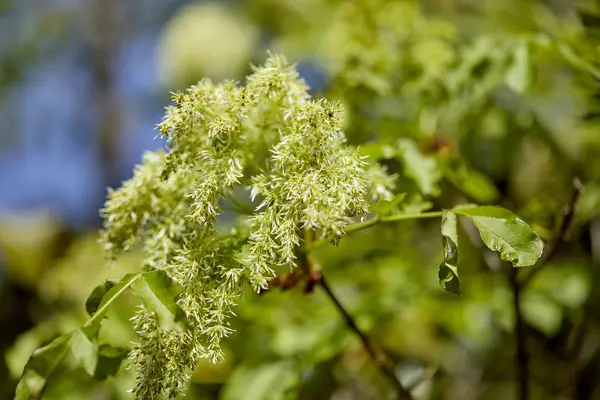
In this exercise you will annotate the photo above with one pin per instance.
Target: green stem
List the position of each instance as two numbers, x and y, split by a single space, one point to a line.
376 220
100 311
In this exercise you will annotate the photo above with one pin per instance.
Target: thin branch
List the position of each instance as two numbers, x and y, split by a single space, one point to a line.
377 220
380 359
522 356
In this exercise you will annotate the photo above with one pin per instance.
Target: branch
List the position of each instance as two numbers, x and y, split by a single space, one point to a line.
377 220
380 359
521 357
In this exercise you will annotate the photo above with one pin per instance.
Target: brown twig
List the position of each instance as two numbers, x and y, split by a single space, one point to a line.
380 359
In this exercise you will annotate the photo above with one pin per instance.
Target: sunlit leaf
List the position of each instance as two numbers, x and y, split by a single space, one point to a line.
518 76
108 297
159 293
448 273
273 381
504 232
85 351
41 364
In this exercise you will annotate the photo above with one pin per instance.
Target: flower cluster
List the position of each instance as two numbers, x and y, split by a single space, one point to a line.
267 135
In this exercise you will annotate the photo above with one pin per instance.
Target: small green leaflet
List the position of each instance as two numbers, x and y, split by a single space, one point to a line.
385 207
471 182
504 232
448 273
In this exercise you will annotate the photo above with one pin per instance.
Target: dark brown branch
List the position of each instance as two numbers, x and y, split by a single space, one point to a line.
522 356
380 359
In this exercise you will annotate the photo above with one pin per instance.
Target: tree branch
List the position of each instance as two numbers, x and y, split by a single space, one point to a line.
380 359
521 357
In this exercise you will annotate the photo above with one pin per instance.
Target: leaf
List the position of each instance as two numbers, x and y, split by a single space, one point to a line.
41 364
109 361
448 273
423 170
85 351
541 312
385 207
471 182
518 76
159 294
91 327
81 342
95 298
265 382
504 232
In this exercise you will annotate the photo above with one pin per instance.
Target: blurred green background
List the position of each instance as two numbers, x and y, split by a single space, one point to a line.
509 89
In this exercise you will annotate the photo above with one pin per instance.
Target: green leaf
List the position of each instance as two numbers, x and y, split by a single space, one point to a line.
385 207
109 361
81 342
541 312
504 232
159 294
471 182
41 364
518 76
423 170
448 273
95 298
266 382
85 351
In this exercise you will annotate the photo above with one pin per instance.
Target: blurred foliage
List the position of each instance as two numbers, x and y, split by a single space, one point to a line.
218 44
487 101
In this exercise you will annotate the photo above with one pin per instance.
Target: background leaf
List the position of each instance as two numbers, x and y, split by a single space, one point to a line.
423 170
265 382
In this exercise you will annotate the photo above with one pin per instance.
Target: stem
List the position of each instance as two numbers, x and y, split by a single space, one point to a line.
522 357
100 311
380 359
377 220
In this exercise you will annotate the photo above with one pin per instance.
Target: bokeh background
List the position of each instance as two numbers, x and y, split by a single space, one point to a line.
506 84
